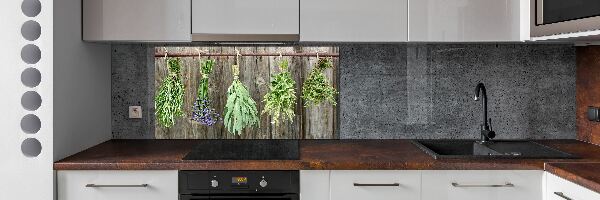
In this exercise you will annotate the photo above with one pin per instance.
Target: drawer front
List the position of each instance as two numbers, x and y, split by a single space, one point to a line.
375 185
560 189
117 185
482 184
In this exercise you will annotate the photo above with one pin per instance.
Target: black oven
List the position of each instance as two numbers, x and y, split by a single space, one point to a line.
234 185
553 17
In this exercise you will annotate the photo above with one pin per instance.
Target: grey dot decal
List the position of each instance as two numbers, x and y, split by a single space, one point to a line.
31 124
31 147
31 100
31 30
31 54
31 77
31 8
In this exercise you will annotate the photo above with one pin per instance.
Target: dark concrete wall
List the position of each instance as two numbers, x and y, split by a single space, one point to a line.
410 91
426 91
132 85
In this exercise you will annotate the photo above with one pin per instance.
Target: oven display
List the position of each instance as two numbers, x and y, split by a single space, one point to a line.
239 180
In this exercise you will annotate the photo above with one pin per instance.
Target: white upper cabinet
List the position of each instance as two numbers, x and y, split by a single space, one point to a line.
136 20
353 20
245 20
468 20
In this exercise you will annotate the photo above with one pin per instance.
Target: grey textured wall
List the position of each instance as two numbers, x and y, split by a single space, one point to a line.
410 91
426 91
132 84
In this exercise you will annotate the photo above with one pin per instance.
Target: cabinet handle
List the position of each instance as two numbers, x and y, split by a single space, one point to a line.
560 194
376 184
492 185
115 186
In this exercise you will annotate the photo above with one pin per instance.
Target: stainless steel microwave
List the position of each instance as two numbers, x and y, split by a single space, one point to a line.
553 17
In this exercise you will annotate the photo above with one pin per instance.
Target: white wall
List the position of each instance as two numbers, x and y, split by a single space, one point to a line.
82 76
24 177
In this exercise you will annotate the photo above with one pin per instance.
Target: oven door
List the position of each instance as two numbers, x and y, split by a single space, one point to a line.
552 17
240 197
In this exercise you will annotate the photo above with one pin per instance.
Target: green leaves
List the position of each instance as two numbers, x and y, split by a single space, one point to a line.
206 69
282 96
169 98
316 87
240 109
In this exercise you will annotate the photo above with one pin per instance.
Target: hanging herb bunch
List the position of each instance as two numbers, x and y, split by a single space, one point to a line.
316 87
202 112
169 99
281 98
240 109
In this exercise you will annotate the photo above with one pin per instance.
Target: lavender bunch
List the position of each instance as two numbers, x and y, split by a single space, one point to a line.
202 112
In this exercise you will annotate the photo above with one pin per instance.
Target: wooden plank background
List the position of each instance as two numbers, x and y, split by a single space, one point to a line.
255 71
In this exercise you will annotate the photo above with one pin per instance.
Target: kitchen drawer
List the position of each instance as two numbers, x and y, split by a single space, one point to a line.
482 185
560 189
375 185
116 185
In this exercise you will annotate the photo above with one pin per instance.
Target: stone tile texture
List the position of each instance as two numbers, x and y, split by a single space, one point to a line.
426 90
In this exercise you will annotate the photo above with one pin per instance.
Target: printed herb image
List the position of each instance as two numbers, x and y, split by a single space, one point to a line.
281 99
203 112
240 109
168 101
317 88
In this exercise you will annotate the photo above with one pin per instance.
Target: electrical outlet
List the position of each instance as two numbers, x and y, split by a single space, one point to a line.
135 112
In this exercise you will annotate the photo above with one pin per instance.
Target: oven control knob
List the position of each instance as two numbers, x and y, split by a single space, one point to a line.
263 183
214 183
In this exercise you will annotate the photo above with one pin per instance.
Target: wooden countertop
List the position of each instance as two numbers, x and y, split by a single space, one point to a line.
584 174
331 155
314 154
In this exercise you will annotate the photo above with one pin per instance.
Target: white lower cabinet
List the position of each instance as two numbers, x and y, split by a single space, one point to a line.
375 185
314 184
482 185
560 189
117 185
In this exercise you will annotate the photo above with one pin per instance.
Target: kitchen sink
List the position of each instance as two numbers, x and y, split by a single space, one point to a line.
440 149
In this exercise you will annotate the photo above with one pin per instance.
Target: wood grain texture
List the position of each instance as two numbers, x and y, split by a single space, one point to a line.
255 72
314 155
588 92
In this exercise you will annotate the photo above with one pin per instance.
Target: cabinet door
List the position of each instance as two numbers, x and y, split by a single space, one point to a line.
560 189
353 20
241 19
468 20
375 185
482 184
314 185
117 185
136 20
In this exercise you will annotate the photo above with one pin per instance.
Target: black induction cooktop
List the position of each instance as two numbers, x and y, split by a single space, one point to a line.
244 150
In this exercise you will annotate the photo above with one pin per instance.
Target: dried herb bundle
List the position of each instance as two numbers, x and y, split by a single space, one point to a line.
169 99
240 109
203 113
282 95
316 87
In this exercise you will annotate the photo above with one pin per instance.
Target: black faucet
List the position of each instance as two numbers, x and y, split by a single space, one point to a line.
486 129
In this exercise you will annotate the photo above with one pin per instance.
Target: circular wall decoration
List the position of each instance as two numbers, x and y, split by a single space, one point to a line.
31 30
31 124
31 100
31 54
31 8
31 147
31 77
